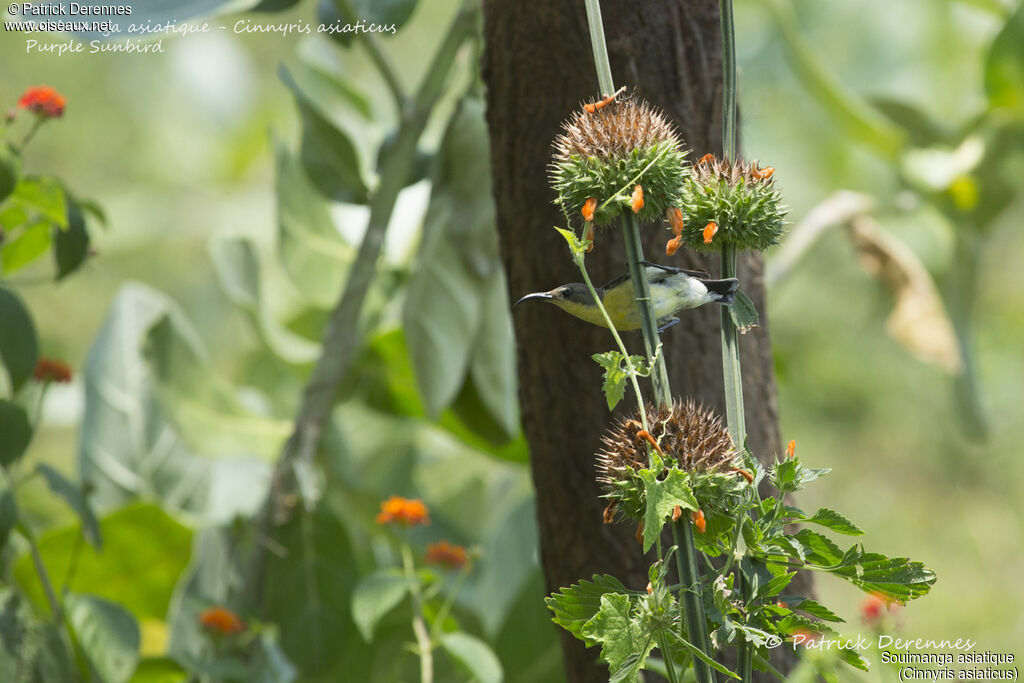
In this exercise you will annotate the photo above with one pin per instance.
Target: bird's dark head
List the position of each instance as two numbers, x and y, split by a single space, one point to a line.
572 293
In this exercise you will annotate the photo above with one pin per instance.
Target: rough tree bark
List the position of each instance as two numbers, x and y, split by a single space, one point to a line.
538 67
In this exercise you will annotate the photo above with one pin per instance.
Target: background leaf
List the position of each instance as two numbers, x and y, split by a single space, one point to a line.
375 595
16 431
75 497
10 170
1004 68
108 634
19 349
474 655
71 246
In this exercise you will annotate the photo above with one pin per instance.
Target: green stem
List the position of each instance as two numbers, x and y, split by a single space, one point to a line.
36 125
670 666
731 372
648 320
446 607
378 56
630 370
342 338
642 290
689 580
40 567
419 626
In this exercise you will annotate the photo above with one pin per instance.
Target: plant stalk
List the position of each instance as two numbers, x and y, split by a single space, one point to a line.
731 372
689 595
341 335
419 626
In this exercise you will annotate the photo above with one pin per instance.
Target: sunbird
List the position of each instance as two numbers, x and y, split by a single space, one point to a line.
672 290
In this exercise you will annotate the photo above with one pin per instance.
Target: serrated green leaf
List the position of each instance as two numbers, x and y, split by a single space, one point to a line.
108 634
790 475
895 578
41 198
625 643
818 549
830 519
74 496
811 607
577 604
19 349
743 313
699 654
775 586
16 431
473 655
662 497
375 595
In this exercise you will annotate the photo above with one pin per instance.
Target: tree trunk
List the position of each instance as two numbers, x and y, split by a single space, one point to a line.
538 67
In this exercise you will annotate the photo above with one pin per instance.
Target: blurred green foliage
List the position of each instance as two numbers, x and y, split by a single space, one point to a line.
236 280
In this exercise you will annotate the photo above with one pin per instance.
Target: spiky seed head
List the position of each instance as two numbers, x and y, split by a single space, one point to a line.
606 153
739 197
690 435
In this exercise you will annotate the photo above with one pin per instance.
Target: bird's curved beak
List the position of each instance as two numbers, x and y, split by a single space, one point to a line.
536 296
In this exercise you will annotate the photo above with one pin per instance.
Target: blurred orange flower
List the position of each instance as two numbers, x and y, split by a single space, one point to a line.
403 511
874 604
446 555
221 620
43 101
50 370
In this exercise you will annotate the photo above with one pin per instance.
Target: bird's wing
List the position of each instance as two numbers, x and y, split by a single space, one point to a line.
617 281
673 271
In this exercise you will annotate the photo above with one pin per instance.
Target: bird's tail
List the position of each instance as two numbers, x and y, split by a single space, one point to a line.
722 290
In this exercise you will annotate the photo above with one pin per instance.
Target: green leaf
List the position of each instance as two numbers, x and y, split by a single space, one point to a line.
458 271
41 198
144 553
313 253
204 406
662 497
743 313
26 246
576 605
896 578
616 374
328 155
8 514
474 655
625 643
159 670
127 447
790 475
385 12
818 549
71 246
16 430
812 607
308 589
10 170
492 366
75 497
19 349
377 594
237 264
1004 66
830 519
108 634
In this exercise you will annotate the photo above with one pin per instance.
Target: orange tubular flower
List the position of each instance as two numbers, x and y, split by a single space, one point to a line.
765 172
43 101
706 159
446 555
590 236
403 511
637 199
50 370
675 219
709 232
588 209
672 246
791 449
699 521
221 620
